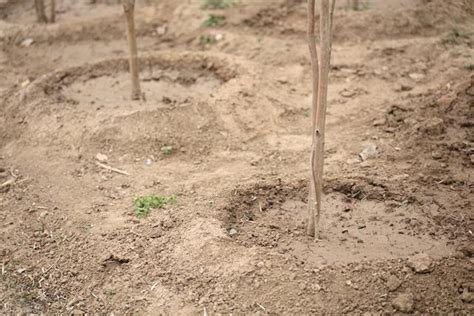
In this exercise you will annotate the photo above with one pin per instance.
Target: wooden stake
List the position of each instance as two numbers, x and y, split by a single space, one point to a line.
52 18
129 9
355 5
311 36
320 72
40 13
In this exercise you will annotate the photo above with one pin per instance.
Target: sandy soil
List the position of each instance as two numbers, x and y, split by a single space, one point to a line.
224 127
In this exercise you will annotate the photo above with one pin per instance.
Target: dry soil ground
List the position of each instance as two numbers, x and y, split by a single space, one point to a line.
231 103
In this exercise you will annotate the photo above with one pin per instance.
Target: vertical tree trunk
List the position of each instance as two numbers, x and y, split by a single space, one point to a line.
40 13
355 5
52 18
312 203
129 9
320 72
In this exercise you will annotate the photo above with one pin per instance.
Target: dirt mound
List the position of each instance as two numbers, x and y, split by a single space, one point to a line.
394 20
55 107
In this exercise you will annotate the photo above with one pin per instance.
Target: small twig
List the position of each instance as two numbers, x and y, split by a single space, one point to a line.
7 183
53 265
205 311
112 169
153 286
263 308
3 268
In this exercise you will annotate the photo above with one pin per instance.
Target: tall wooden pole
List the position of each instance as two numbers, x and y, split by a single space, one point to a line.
320 74
39 7
52 18
355 5
129 10
311 36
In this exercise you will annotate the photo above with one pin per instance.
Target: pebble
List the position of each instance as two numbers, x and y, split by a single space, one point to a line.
416 76
420 263
380 122
369 151
468 250
393 283
27 42
404 303
232 232
101 157
467 297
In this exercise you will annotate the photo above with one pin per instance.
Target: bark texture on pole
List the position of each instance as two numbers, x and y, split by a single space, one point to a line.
129 10
320 73
40 12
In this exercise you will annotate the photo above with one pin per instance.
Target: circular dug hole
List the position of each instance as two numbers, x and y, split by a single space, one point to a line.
273 216
90 106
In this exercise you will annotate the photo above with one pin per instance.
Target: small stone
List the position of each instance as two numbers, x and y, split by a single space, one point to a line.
406 87
467 297
436 155
101 157
416 76
161 30
393 283
420 263
380 122
348 93
27 42
219 37
404 303
232 232
468 250
433 126
369 151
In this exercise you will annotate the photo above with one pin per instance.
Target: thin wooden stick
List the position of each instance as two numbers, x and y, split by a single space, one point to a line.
7 183
314 105
129 10
52 18
39 6
125 173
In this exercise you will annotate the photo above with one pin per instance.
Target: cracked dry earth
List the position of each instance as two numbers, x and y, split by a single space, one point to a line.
232 103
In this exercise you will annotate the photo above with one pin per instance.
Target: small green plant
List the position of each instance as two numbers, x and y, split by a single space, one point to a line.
217 4
207 39
214 20
469 67
143 204
167 150
455 36
110 293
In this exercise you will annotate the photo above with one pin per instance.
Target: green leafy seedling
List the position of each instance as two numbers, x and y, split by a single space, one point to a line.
144 204
207 39
217 4
110 292
167 150
214 20
455 36
470 67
